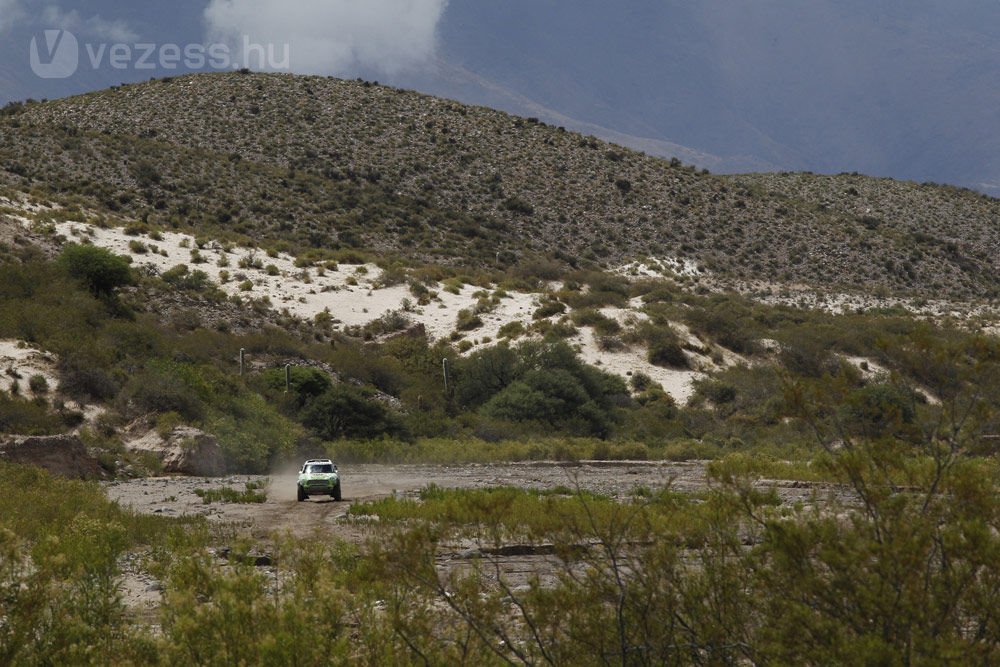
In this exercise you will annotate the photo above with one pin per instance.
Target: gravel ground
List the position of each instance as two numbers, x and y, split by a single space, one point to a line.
176 495
324 517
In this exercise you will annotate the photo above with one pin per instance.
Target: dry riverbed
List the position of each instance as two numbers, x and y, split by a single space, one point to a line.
175 496
281 513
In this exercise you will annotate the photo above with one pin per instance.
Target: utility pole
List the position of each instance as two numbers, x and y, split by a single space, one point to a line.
288 378
243 361
444 366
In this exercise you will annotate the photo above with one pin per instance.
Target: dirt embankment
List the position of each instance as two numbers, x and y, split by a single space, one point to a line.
62 455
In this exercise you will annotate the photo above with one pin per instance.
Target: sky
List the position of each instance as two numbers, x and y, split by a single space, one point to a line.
323 36
333 36
902 88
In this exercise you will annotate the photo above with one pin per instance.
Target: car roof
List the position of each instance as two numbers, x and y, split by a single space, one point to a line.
317 461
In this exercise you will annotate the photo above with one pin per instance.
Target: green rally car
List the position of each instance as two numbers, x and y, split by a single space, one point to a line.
319 477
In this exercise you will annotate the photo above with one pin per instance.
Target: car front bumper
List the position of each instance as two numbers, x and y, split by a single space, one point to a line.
319 487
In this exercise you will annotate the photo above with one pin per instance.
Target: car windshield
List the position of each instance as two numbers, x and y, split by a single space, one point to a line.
317 468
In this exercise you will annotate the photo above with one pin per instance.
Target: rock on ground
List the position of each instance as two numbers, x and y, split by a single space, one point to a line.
185 450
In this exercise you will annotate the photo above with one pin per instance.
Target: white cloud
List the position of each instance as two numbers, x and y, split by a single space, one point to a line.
10 12
332 36
95 26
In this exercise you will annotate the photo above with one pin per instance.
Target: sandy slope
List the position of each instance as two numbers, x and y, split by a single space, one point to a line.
352 297
19 362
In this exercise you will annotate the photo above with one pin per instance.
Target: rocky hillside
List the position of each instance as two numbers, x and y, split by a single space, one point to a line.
324 163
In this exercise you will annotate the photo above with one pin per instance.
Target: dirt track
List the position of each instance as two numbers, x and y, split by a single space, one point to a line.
282 513
175 496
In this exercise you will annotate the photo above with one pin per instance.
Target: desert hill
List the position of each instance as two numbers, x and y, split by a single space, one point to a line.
325 163
439 271
754 389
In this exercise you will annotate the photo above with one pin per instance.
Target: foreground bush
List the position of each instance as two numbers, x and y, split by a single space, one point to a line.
882 577
61 550
876 576
233 617
897 562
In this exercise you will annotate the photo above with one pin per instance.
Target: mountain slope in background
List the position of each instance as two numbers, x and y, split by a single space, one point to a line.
909 89
326 163
903 89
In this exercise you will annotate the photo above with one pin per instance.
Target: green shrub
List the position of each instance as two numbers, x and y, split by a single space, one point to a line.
348 412
253 494
610 283
806 352
468 320
38 384
98 269
880 409
591 317
389 322
728 324
660 294
594 299
484 373
38 504
83 376
145 173
183 278
640 381
236 614
512 330
664 346
250 261
718 392
562 329
164 387
306 383
535 269
518 205
548 309
25 417
611 344
546 396
544 383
